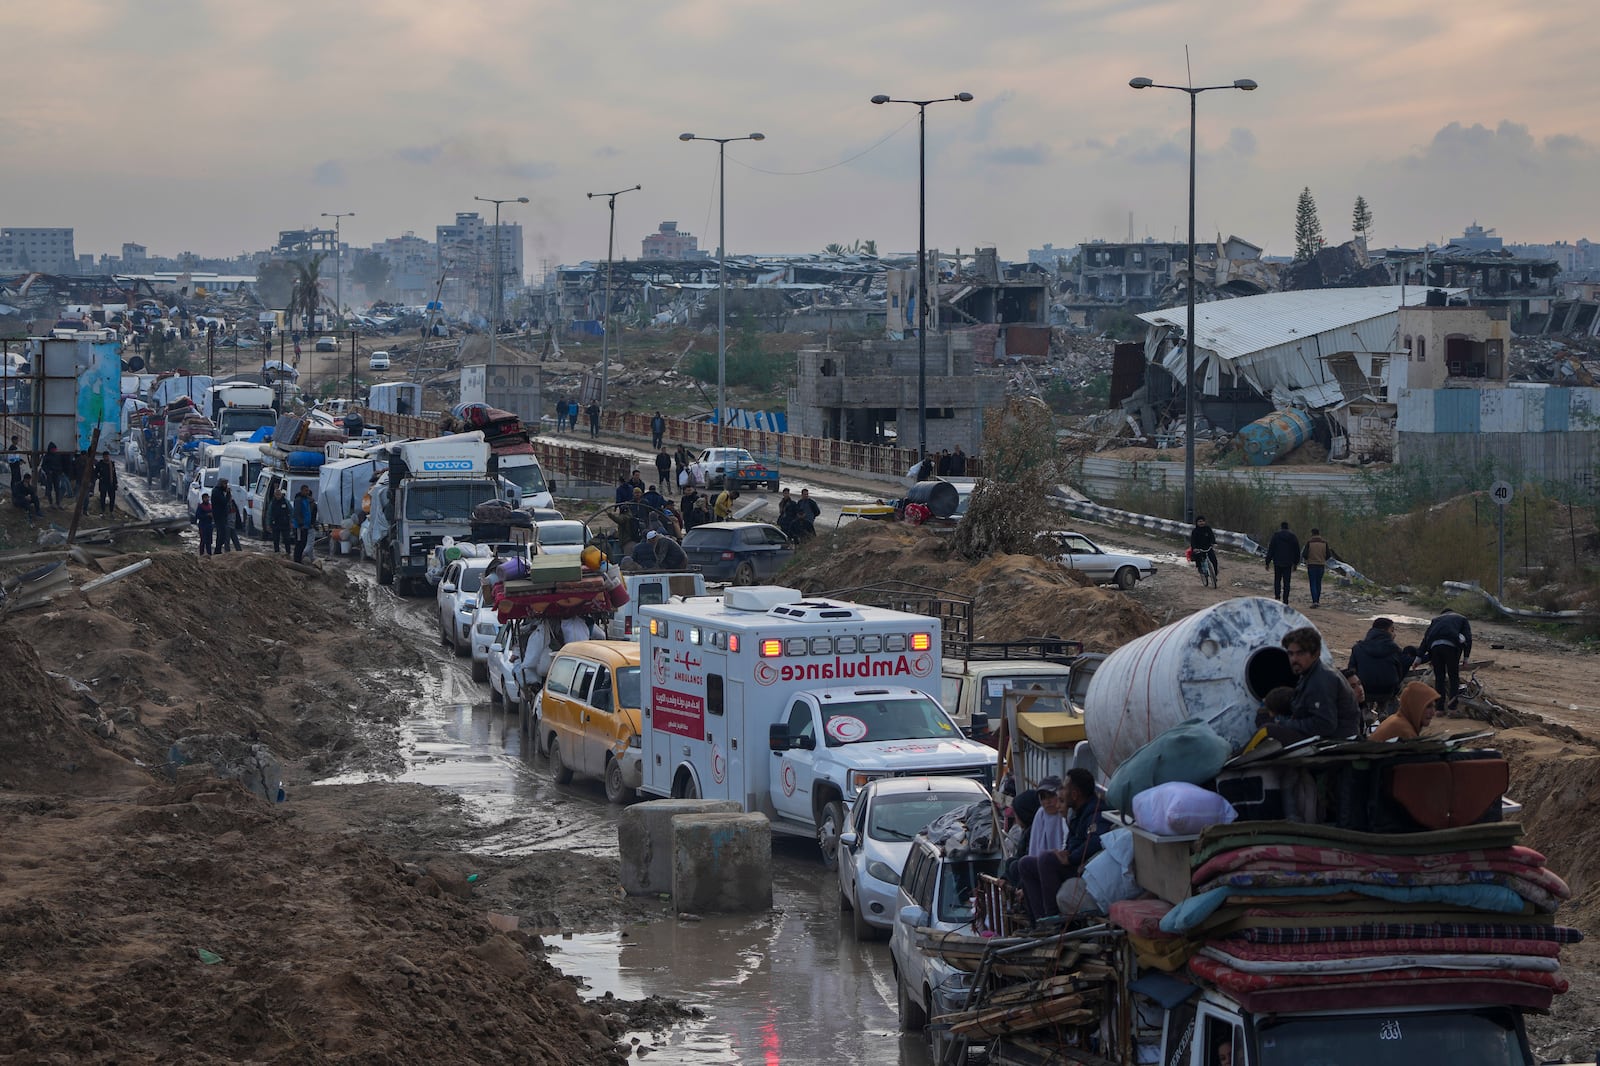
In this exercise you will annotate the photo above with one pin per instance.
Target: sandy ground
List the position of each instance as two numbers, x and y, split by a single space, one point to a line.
152 912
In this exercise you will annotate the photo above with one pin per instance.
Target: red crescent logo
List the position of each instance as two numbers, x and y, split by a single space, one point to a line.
788 780
922 665
766 674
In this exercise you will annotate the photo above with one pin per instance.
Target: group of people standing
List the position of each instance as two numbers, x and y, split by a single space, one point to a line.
59 473
567 411
943 463
289 522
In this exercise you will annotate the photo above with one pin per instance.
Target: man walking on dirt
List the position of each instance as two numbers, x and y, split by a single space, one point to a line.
1380 664
658 429
1316 554
222 513
594 419
1283 555
280 522
1447 642
304 517
664 468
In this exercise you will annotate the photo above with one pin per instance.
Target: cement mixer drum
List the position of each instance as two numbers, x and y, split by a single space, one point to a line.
1215 665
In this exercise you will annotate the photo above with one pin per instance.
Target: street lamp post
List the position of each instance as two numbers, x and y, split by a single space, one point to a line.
722 265
605 304
499 279
922 255
1189 338
338 264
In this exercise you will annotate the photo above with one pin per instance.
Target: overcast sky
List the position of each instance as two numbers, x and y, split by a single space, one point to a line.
208 126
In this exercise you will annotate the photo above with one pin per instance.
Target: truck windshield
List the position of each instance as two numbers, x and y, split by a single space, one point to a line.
993 701
957 883
438 501
1487 1037
628 686
913 718
237 421
528 479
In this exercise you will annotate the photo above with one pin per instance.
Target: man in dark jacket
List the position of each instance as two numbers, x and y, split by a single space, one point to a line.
1322 705
279 521
658 429
222 512
1447 642
594 419
1283 555
1380 664
105 479
664 469
1203 542
303 516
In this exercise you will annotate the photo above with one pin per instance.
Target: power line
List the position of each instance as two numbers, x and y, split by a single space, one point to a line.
849 159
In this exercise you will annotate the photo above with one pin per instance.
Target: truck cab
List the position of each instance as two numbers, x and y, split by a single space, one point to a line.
976 676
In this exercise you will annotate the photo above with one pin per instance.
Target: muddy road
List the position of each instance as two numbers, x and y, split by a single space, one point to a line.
792 985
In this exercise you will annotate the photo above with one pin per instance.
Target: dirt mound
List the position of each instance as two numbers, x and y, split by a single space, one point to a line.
200 925
1014 596
49 734
236 643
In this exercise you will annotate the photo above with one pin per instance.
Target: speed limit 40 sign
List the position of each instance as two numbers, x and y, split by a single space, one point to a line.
1500 492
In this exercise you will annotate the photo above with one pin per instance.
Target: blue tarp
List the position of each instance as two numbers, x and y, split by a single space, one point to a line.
262 435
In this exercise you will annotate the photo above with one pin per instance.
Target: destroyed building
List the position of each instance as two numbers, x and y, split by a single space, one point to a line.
1341 357
1141 276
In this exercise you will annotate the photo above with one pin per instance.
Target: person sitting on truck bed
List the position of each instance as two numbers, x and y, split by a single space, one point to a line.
1323 705
1418 704
1059 846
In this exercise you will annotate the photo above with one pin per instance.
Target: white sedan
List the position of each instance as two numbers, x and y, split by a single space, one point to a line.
564 536
1078 552
505 666
457 598
203 481
485 627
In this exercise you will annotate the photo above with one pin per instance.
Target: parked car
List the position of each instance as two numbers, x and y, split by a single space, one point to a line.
327 344
936 892
741 552
733 468
886 817
1080 553
505 662
378 361
485 627
457 598
566 536
588 714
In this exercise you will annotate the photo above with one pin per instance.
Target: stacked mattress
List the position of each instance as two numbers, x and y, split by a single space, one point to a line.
1289 916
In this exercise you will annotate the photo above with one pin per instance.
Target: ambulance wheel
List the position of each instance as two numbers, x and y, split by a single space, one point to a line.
616 791
829 826
558 769
745 574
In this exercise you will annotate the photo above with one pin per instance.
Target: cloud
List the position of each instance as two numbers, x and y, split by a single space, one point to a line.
1241 142
328 172
422 154
987 111
606 151
1510 144
1022 155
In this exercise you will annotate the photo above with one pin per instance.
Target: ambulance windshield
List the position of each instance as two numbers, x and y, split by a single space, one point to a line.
910 718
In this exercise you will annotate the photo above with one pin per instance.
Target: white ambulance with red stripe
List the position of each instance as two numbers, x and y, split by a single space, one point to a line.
790 705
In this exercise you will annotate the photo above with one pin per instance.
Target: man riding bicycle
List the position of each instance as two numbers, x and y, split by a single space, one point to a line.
1203 551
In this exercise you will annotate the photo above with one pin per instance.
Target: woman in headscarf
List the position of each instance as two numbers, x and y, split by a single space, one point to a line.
1418 704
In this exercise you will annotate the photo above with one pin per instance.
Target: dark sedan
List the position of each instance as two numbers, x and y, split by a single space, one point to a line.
740 552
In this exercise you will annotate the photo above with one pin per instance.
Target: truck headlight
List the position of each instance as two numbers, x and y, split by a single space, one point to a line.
858 779
488 629
635 740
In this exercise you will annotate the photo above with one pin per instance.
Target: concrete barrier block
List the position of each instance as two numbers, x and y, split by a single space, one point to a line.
721 863
644 837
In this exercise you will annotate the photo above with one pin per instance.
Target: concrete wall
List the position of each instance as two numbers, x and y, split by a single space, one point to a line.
1469 461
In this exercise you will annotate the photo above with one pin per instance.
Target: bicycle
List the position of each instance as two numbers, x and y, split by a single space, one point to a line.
1207 568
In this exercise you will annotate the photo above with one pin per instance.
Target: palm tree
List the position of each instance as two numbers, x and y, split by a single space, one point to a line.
306 296
833 249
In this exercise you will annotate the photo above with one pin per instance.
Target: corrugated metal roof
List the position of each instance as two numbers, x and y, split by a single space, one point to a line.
1279 340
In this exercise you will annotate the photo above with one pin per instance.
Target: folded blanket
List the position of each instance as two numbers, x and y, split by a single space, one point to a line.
1220 838
1539 886
1304 857
1232 979
1381 963
1141 917
1357 949
1193 911
1477 931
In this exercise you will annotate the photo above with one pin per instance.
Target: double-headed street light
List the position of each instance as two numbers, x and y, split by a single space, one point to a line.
499 278
722 265
1188 334
338 265
922 255
605 304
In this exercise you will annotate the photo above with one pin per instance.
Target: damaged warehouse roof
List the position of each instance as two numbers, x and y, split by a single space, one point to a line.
1280 340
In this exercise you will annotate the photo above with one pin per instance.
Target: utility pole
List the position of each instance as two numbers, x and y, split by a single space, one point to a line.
499 278
605 303
338 263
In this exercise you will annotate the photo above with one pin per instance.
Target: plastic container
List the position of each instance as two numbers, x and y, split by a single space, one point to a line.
1267 439
1215 665
939 497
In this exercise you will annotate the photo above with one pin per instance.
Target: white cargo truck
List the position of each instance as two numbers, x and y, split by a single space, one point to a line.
790 706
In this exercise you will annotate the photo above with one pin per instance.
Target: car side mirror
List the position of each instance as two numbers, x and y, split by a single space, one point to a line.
980 724
849 840
497 647
915 917
448 586
778 738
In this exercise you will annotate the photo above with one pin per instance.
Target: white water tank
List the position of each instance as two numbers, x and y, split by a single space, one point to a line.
1215 665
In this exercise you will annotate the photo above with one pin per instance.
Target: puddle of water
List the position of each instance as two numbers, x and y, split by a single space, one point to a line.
789 986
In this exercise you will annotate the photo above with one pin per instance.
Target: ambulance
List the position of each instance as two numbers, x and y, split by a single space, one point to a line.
790 705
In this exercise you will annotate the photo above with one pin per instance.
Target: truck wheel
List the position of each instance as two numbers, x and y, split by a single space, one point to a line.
912 1017
745 574
829 826
1126 578
616 791
558 770
380 562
